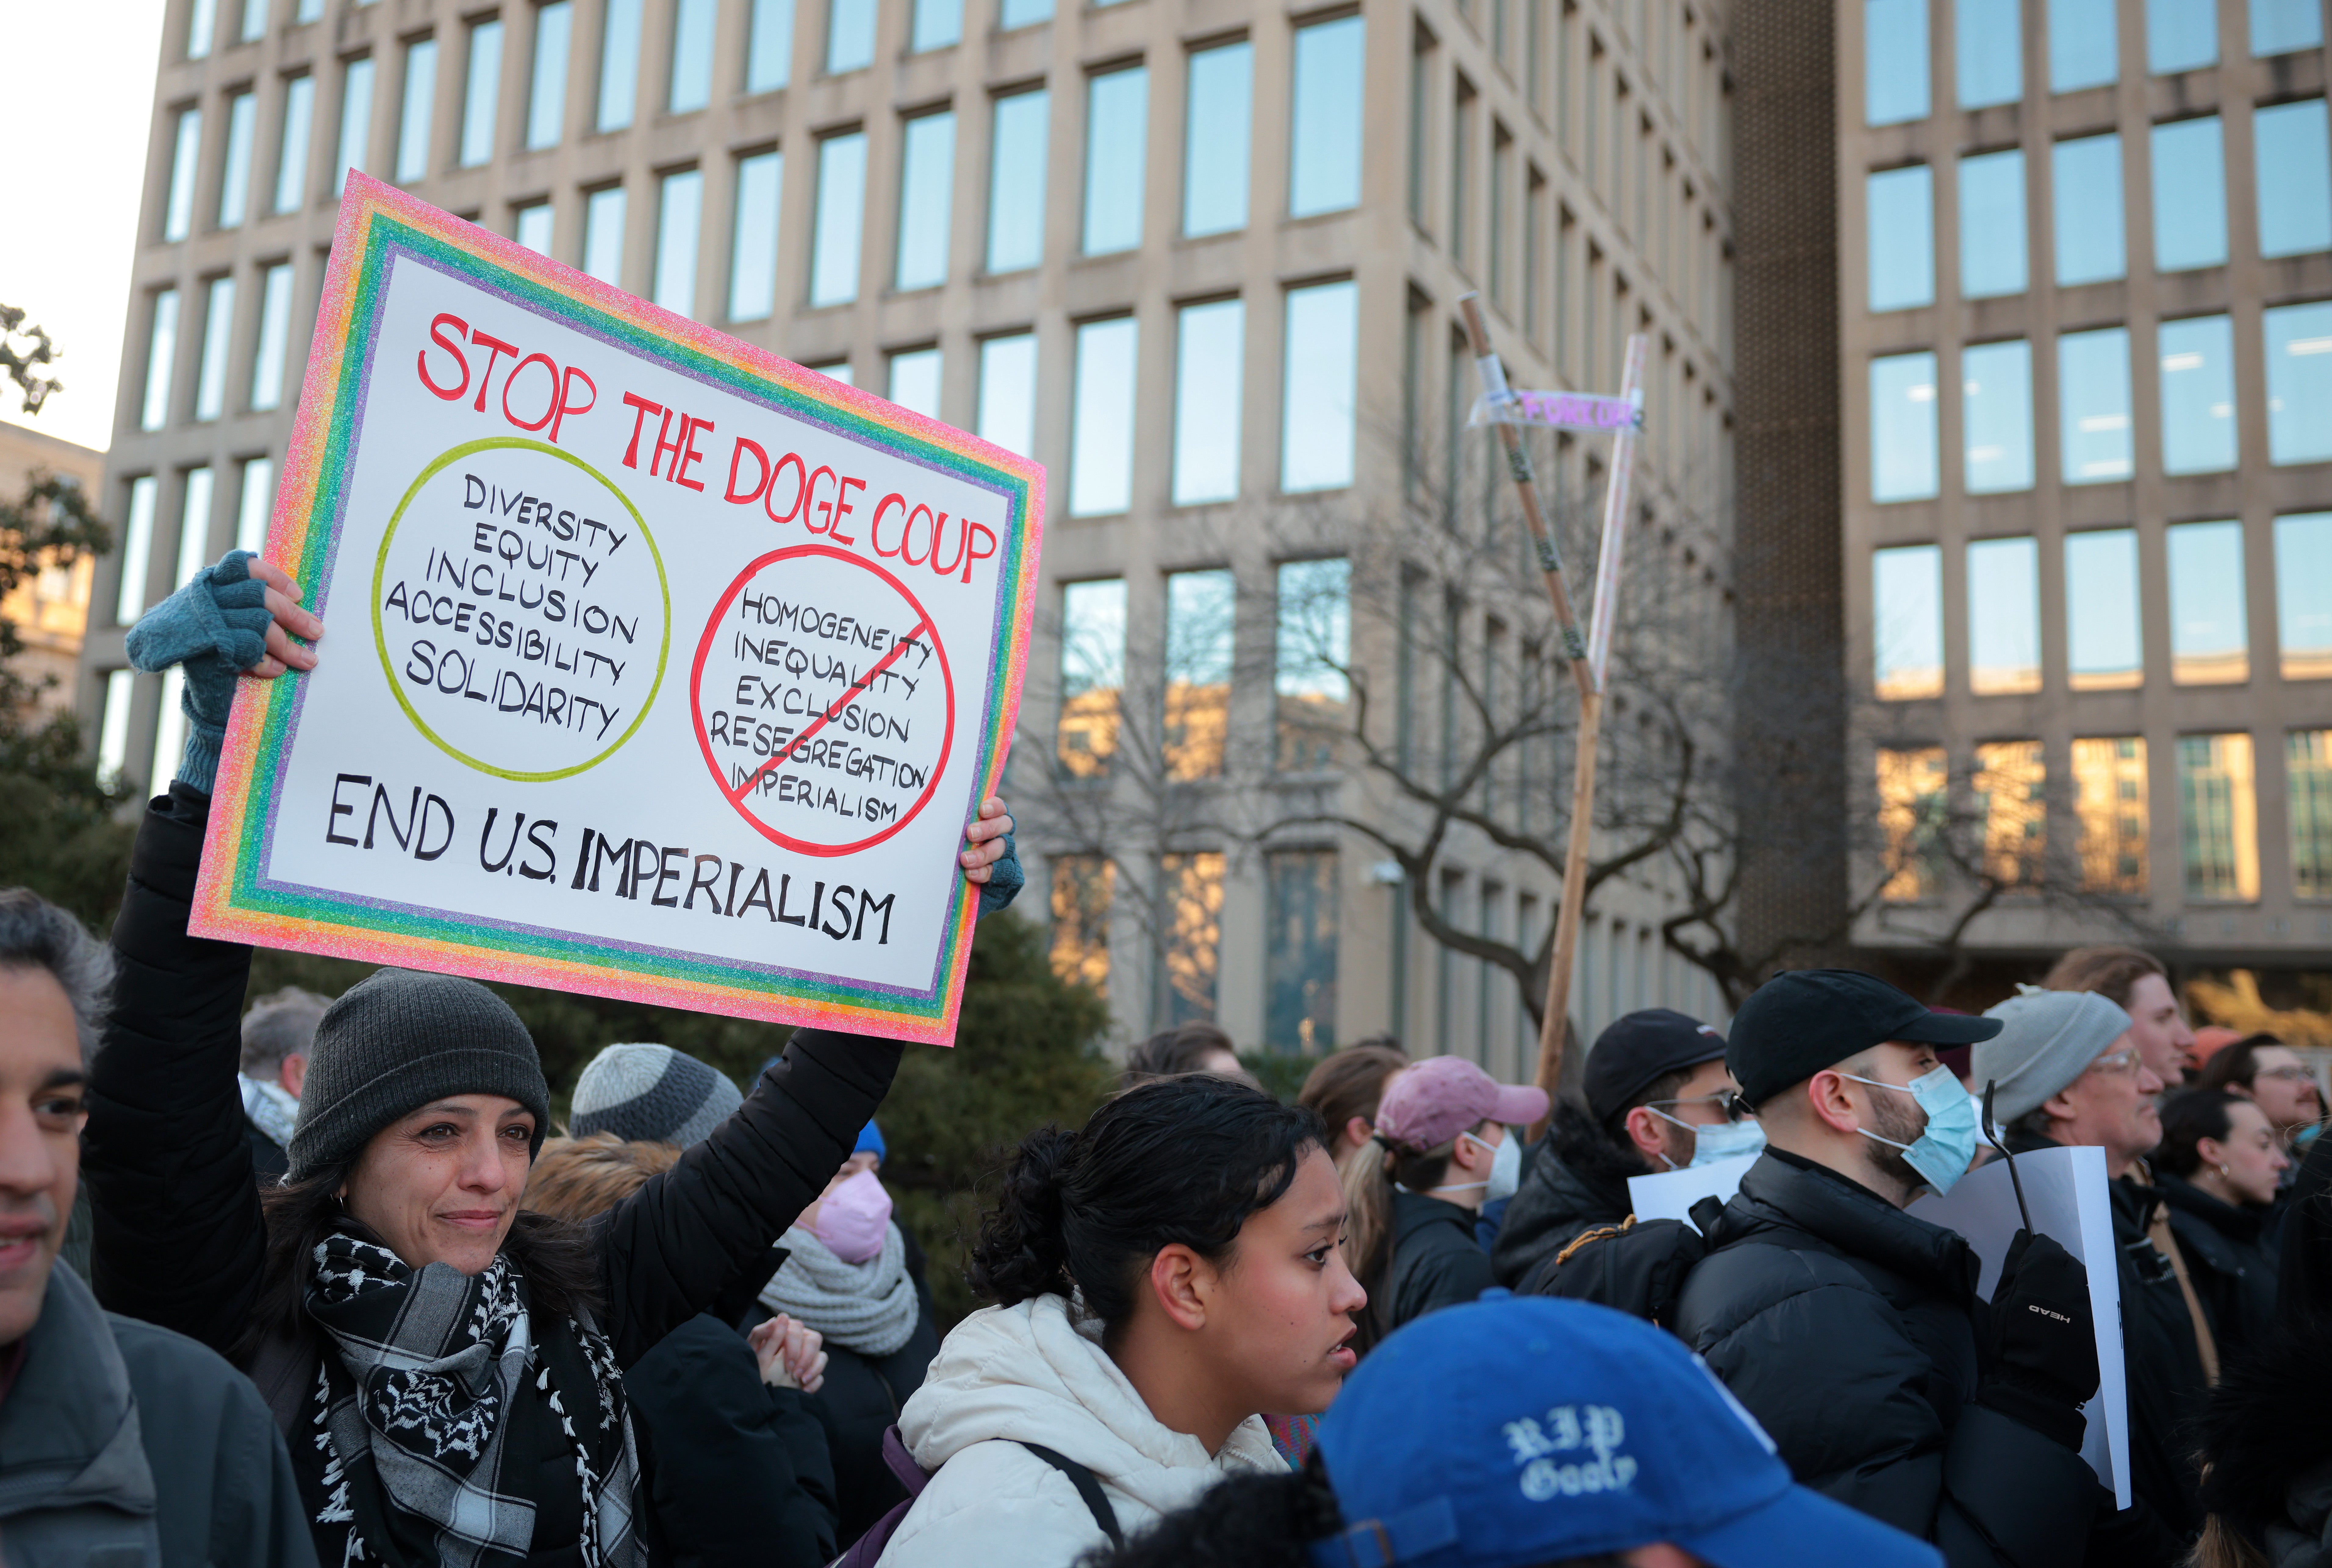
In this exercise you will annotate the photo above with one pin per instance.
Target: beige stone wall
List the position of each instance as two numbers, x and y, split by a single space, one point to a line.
50 608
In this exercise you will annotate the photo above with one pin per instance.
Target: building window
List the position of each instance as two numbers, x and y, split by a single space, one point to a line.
2299 383
291 155
2218 818
1907 621
691 88
1101 426
1903 462
753 259
481 95
185 153
2181 34
1209 343
841 219
2082 48
2307 771
546 94
1312 656
1083 888
1218 125
937 24
169 724
1007 392
926 190
1323 157
2190 196
1193 898
2294 161
915 381
1991 52
137 551
1502 180
218 335
835 370
2198 395
2085 175
1300 960
1318 385
534 227
603 234
1900 210
1093 676
1014 14
201 24
356 121
419 107
1461 165
113 727
161 361
1894 61
769 50
619 65
1015 182
1536 229
1996 416
234 172
2210 638
680 214
2109 802
2280 26
1992 225
2303 595
274 338
1201 627
2093 406
2104 646
1913 806
194 525
849 35
255 505
2012 796
1117 108
2004 600
1420 110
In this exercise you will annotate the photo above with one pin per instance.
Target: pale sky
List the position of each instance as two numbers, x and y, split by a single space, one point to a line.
80 97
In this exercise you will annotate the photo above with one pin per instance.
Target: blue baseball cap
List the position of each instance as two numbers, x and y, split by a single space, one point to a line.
870 1142
1519 1430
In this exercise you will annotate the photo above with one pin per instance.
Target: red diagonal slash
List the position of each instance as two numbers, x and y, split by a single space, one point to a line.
794 745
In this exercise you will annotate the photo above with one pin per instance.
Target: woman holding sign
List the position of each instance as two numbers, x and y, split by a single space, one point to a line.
448 1370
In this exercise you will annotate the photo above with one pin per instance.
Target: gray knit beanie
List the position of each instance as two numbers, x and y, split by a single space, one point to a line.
2050 1039
651 1094
398 1040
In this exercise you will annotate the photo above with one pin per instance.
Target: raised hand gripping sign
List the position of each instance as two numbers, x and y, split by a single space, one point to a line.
657 668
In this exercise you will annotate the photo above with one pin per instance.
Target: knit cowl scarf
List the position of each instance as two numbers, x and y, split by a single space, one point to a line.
440 1406
870 1308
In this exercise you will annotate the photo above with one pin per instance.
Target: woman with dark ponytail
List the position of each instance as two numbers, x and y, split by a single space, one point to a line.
1160 1278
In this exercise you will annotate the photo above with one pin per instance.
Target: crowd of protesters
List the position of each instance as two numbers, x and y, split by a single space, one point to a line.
318 1281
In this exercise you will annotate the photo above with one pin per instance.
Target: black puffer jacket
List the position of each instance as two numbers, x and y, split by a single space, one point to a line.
2166 1385
1436 1262
1850 1330
2270 1449
1577 1179
180 1239
2228 1258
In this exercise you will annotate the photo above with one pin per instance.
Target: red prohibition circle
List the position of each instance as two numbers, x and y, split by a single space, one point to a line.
704 740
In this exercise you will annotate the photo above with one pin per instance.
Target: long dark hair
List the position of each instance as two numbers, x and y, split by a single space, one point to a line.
1181 1161
2188 1118
557 1257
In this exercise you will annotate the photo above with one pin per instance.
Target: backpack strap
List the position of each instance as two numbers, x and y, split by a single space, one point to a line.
1088 1487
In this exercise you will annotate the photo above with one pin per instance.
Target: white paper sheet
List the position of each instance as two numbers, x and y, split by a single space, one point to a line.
1671 1194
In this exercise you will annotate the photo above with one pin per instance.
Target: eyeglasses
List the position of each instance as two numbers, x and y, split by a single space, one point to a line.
2293 1074
1728 1102
2124 1060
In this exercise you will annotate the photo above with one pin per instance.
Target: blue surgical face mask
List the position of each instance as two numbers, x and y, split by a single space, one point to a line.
1719 1139
1941 1154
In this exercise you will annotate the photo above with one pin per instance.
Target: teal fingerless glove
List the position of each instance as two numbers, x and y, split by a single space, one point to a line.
215 627
1005 879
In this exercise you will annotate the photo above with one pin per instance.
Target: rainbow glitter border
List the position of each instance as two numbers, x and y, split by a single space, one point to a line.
232 903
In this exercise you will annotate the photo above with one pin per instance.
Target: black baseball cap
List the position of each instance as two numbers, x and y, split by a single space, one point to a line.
1799 1023
1640 1047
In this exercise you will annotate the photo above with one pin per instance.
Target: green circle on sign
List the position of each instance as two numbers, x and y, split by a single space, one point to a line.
380 632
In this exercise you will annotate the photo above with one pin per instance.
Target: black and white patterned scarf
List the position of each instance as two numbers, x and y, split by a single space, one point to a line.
439 1394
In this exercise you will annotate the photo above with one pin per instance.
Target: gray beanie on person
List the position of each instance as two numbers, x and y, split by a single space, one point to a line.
2050 1039
397 1040
651 1094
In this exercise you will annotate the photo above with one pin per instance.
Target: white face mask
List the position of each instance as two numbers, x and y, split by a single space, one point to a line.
1505 1169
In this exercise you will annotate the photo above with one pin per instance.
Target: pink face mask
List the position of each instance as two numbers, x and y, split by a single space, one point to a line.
852 1220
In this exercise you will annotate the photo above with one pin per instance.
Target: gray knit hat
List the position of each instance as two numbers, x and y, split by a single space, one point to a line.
2049 1039
396 1041
651 1094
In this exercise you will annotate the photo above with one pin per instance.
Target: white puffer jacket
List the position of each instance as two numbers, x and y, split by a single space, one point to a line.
1009 1374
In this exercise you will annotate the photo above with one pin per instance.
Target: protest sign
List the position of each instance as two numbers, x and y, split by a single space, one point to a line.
1670 1194
656 667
